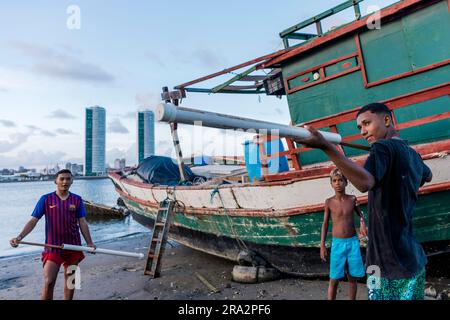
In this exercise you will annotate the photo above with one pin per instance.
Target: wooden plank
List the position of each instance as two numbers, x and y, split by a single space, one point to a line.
409 73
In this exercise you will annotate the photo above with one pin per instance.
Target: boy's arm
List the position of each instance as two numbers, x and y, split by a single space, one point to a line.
85 232
362 179
362 224
323 236
29 226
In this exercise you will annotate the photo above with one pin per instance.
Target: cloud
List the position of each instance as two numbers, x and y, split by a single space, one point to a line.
33 158
61 114
155 57
3 90
61 65
207 58
7 123
116 126
48 133
129 115
148 100
32 128
15 140
64 131
202 57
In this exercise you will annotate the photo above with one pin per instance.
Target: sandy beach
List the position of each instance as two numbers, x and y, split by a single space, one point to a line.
105 277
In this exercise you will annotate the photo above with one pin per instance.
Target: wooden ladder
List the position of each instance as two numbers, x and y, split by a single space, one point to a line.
159 238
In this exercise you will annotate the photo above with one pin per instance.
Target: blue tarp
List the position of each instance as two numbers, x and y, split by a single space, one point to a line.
162 170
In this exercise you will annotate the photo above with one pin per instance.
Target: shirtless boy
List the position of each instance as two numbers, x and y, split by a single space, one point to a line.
345 243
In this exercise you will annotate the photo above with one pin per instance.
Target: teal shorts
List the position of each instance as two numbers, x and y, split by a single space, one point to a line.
346 250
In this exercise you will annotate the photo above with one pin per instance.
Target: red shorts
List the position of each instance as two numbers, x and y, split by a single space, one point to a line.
66 258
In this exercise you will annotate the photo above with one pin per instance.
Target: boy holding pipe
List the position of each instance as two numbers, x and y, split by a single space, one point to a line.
64 218
392 174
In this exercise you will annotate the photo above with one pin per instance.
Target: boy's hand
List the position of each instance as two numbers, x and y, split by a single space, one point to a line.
323 253
316 140
92 245
14 242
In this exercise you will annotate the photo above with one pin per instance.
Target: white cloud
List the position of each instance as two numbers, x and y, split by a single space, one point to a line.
15 140
7 123
61 114
33 158
61 65
116 126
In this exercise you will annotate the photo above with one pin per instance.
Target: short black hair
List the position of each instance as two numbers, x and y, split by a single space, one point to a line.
63 171
376 107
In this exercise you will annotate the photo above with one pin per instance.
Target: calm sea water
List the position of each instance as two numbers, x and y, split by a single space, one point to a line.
19 199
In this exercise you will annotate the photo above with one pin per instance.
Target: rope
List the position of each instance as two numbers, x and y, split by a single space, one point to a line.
241 243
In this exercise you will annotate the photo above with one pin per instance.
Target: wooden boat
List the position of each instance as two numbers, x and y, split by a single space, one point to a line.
327 77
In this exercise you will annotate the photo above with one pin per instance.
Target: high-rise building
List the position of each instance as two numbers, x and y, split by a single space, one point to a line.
145 134
94 161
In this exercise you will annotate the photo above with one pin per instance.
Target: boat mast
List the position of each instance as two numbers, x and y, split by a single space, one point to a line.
175 97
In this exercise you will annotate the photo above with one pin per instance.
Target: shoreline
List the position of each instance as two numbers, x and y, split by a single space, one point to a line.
106 277
51 178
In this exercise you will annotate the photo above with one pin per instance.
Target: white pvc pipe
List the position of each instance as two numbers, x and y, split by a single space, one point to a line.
105 251
167 112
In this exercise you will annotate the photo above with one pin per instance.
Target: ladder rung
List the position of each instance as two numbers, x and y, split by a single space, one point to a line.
160 224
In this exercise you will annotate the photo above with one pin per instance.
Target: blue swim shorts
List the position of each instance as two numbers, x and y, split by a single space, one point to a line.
346 250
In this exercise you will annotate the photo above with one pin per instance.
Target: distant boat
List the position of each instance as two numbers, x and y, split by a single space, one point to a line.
326 77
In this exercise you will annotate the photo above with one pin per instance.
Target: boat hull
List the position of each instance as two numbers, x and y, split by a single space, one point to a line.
281 221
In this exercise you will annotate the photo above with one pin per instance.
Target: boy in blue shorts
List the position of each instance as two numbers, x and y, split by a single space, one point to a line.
345 248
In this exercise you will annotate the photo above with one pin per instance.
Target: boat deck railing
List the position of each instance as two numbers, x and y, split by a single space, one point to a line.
293 34
332 121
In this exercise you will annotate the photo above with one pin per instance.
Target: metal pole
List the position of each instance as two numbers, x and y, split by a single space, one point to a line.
167 112
175 139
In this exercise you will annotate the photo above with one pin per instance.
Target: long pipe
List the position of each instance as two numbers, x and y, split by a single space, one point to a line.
167 112
88 249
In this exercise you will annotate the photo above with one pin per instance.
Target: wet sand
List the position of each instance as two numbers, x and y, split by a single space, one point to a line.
105 277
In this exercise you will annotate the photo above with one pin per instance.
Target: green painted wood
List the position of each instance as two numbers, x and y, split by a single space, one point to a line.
431 223
399 46
201 90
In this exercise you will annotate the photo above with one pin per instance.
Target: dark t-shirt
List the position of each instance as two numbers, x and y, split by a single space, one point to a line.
399 172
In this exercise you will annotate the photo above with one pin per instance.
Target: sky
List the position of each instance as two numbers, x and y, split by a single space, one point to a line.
59 57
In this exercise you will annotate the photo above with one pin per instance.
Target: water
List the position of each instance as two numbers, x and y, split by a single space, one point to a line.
18 200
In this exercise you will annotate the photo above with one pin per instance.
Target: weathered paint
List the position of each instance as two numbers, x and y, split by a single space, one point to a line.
431 223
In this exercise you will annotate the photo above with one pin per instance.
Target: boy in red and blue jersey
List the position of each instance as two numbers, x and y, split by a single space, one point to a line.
64 218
